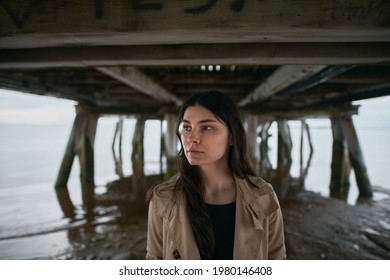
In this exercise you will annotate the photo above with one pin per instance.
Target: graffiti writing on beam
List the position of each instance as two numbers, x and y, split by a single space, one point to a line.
139 5
22 11
21 15
19 20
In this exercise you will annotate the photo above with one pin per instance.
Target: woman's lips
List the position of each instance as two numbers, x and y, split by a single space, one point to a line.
194 151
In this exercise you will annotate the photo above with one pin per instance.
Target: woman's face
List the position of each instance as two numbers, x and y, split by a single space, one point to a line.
205 138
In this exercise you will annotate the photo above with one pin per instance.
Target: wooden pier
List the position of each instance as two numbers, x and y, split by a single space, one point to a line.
141 59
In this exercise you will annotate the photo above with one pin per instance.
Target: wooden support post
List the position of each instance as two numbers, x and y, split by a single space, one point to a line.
340 167
305 168
284 159
118 159
137 156
80 142
170 145
284 142
265 163
356 158
85 151
61 184
162 146
251 131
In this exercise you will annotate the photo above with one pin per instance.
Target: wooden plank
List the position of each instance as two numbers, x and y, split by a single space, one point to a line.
282 78
197 54
85 22
135 78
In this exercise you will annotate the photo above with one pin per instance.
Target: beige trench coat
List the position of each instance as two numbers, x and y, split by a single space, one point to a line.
258 231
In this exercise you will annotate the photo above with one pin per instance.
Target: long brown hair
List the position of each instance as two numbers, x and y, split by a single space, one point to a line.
190 180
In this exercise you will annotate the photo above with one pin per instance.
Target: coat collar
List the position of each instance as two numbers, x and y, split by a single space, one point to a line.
257 194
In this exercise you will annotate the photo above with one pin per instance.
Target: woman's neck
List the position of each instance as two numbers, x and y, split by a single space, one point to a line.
219 184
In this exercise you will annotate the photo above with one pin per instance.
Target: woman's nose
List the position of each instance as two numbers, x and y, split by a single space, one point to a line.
193 137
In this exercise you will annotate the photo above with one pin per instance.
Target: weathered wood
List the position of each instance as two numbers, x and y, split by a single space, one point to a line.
80 143
305 129
85 151
251 122
356 157
340 166
118 159
135 78
265 163
170 144
61 184
333 98
137 155
293 113
284 159
282 78
284 142
329 53
304 169
49 23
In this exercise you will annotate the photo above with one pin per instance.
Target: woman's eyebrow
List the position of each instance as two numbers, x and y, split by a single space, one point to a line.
201 121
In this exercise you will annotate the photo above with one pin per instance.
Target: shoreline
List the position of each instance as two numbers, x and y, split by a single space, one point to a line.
316 228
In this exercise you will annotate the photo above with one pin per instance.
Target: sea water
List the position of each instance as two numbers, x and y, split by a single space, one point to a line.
30 157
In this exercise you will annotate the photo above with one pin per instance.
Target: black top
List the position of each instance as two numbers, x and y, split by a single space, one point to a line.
223 219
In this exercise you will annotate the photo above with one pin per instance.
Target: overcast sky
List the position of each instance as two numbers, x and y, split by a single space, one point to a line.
22 108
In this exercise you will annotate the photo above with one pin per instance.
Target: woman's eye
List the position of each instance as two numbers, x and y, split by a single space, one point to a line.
207 128
186 128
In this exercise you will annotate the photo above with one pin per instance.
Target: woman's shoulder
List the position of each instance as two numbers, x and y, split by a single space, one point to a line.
260 195
166 186
258 185
163 196
164 190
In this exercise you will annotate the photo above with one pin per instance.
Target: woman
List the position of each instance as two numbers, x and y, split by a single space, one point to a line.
215 208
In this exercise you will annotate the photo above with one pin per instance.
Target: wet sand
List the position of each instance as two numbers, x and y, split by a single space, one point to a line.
315 227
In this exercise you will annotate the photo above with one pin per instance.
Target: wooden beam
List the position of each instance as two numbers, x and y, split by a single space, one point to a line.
279 80
134 22
332 98
135 78
197 54
271 113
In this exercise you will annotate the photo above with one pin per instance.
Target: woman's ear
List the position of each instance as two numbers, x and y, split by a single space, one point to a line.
230 140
